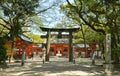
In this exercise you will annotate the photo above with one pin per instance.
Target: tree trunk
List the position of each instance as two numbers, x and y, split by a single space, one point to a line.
12 50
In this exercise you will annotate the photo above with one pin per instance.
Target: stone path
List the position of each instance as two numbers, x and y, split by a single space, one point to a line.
58 66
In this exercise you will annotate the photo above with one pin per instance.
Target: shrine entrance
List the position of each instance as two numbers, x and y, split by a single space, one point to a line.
59 50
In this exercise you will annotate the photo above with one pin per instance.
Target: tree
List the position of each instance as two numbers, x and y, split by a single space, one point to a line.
16 14
100 15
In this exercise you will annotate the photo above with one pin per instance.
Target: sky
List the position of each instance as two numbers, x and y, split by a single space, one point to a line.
51 16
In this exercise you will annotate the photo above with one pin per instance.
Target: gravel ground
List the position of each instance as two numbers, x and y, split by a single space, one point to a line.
57 66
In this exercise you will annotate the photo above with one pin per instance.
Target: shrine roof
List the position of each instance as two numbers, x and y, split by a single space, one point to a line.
59 29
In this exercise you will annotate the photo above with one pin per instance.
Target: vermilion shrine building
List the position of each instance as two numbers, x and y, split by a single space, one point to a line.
29 47
64 49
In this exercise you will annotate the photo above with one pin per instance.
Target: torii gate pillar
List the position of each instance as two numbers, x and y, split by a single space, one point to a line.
48 46
70 47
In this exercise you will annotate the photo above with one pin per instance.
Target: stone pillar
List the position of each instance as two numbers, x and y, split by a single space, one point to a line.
70 47
47 46
108 65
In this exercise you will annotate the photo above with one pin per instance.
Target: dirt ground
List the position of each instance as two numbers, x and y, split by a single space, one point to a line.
57 66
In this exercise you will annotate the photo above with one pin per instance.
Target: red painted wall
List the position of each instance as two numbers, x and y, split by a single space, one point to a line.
62 48
28 46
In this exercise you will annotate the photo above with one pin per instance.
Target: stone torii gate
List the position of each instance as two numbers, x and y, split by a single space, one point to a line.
59 30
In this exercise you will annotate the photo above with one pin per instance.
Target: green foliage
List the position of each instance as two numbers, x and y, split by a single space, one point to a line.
100 15
15 14
97 14
92 35
19 15
116 55
3 31
89 35
34 37
19 7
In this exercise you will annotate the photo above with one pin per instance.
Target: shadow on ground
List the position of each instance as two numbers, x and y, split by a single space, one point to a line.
59 67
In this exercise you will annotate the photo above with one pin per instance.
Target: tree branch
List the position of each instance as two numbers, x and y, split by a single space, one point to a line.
25 31
70 4
78 11
92 27
7 22
44 10
80 8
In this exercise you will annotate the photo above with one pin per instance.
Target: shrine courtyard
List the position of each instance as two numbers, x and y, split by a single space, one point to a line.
57 66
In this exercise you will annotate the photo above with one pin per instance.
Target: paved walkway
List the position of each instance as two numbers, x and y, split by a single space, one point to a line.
58 66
